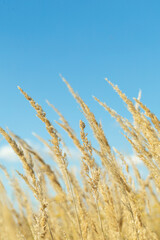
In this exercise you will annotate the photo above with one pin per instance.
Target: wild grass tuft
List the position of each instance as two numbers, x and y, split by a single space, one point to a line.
108 203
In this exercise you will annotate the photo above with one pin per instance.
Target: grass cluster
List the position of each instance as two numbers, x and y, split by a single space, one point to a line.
107 204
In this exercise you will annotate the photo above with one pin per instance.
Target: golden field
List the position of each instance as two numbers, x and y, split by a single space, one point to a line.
107 204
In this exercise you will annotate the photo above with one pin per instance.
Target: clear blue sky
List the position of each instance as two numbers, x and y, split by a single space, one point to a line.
85 41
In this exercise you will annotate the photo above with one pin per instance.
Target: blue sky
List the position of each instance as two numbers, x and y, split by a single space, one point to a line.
85 41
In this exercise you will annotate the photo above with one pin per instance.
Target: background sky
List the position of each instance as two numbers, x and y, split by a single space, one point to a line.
85 41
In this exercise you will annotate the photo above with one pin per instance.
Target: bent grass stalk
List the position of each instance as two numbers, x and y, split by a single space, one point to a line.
61 158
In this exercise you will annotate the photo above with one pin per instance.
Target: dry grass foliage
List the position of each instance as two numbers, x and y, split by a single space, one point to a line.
107 205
